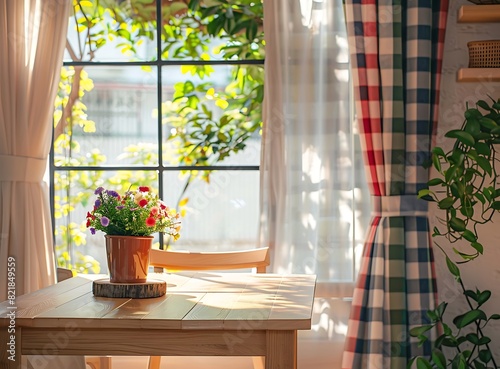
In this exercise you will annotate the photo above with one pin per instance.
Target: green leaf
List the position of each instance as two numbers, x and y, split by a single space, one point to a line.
472 113
495 316
473 127
469 317
439 341
485 355
457 224
464 137
123 33
418 331
193 4
471 294
435 182
464 255
440 310
484 164
480 197
473 338
467 210
437 151
432 315
452 267
446 203
410 362
450 173
425 194
423 364
495 205
449 342
483 297
483 148
439 359
479 365
488 123
483 104
457 157
477 246
469 236
436 162
484 341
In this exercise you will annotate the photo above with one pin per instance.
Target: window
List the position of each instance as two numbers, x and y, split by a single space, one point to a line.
166 94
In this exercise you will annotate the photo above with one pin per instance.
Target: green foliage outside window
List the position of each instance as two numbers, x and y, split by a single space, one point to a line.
205 124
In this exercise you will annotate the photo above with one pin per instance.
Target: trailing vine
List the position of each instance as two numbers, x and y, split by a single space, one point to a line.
466 189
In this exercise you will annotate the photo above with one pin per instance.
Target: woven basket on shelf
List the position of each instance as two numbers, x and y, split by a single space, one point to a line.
484 54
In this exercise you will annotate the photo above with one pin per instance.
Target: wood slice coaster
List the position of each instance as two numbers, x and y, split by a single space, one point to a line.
151 288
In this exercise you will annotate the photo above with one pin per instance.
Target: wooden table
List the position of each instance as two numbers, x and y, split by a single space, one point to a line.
203 313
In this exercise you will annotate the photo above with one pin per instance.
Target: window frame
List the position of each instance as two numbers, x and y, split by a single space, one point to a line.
160 168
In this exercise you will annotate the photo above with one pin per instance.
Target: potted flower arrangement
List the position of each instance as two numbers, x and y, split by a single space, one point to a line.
129 220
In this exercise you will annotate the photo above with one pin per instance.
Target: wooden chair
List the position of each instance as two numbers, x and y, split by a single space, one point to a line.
181 260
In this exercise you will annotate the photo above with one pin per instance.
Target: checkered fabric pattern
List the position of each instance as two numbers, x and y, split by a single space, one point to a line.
396 52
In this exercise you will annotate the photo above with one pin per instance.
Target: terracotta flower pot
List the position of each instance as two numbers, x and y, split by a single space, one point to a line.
128 258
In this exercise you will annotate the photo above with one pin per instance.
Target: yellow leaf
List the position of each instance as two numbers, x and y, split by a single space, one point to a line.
57 116
89 126
205 56
210 93
223 104
85 3
184 201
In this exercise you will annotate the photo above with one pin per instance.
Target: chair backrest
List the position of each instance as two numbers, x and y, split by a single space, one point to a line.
185 260
63 274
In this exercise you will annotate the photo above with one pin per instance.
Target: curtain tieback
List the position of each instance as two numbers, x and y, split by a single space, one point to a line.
399 206
21 168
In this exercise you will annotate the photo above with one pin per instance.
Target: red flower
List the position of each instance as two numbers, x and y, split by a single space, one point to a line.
143 203
150 222
154 211
90 217
144 188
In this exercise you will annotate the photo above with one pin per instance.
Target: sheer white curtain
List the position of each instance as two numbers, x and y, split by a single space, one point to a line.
314 201
32 36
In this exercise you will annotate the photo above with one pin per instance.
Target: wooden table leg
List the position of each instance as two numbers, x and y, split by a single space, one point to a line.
281 350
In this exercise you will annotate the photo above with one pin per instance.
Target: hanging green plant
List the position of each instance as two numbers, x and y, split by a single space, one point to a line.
466 190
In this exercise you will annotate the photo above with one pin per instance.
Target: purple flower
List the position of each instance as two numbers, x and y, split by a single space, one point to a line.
98 190
92 230
113 193
120 207
97 203
104 221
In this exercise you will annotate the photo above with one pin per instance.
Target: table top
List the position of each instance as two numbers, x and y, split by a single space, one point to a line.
194 300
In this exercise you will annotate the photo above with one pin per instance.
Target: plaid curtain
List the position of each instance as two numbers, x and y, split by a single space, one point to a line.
396 52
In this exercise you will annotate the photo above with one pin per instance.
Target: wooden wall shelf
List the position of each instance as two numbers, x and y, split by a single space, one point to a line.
478 75
479 13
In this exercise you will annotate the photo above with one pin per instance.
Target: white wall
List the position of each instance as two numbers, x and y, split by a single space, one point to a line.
483 273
